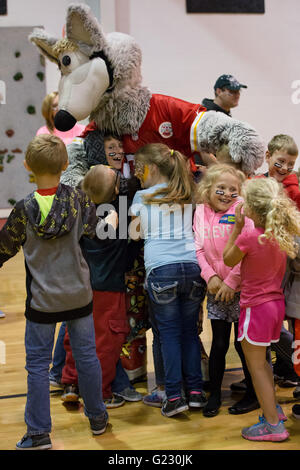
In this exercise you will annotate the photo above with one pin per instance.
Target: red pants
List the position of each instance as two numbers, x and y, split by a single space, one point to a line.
111 329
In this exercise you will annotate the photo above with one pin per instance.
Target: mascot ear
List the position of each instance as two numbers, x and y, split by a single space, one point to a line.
83 27
45 43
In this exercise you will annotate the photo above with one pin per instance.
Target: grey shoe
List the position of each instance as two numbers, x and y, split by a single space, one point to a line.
171 408
129 394
197 400
99 425
264 431
55 382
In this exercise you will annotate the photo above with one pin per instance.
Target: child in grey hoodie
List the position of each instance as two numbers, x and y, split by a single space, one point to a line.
49 224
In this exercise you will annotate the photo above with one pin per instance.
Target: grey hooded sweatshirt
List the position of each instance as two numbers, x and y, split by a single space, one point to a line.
57 275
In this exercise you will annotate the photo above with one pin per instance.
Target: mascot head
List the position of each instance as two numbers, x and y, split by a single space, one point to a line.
93 65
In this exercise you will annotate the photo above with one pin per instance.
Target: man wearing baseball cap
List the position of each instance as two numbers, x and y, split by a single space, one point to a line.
227 94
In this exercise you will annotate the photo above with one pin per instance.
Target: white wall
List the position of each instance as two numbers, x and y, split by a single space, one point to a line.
183 54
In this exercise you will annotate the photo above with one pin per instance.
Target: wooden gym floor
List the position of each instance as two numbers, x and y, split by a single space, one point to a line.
133 426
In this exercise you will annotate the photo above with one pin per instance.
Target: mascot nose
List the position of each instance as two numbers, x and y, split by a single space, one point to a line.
64 121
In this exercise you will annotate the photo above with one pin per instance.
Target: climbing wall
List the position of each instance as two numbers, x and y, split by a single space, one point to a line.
22 90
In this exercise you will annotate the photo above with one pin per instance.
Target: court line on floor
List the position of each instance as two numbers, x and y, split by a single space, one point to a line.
20 395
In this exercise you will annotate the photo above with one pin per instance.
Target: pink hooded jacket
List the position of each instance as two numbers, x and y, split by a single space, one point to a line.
212 230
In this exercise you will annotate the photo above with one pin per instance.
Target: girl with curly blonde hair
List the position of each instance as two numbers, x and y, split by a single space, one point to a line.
263 254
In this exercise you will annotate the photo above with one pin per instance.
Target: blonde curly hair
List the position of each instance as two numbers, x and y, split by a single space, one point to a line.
274 211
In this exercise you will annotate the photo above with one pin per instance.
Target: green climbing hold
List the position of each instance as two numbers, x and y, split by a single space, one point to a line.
30 109
18 76
40 76
11 201
10 158
17 54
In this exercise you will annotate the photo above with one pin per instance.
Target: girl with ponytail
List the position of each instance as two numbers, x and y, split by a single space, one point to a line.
163 217
263 253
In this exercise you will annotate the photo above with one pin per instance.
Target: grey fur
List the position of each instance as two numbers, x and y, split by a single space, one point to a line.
244 143
78 164
44 42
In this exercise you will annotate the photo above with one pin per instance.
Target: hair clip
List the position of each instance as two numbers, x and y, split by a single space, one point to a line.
172 152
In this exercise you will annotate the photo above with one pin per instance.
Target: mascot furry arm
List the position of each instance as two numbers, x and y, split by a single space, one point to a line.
101 78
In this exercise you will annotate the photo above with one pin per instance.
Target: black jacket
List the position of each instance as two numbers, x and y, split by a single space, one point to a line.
211 106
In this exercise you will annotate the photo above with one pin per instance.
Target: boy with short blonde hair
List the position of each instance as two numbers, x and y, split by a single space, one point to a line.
48 224
281 157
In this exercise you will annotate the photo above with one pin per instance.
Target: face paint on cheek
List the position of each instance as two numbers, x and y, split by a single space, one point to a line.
278 165
234 195
219 192
145 173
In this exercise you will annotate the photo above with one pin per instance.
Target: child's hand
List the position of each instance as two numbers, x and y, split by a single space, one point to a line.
214 284
112 219
239 217
225 293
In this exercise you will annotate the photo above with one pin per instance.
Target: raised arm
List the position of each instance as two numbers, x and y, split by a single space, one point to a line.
232 255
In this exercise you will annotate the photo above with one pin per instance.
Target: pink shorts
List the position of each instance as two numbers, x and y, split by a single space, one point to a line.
261 324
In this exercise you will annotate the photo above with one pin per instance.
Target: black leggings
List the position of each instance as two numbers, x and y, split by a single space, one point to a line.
221 330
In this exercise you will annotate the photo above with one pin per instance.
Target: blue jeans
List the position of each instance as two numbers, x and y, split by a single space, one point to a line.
158 362
39 339
59 355
121 380
176 292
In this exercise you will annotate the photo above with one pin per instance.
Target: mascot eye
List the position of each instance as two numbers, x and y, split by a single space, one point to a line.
66 60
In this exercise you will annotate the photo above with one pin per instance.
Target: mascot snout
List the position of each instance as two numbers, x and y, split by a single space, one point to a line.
64 121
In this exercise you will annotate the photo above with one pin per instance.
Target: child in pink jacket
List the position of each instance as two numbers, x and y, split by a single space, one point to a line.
213 223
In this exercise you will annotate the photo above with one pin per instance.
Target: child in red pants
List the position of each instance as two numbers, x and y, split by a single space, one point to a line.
107 257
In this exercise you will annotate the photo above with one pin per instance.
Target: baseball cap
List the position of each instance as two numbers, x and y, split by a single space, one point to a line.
228 81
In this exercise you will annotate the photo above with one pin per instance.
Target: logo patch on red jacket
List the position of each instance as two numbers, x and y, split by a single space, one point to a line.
165 130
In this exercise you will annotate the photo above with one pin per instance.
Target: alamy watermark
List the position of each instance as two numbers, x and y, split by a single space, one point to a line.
164 221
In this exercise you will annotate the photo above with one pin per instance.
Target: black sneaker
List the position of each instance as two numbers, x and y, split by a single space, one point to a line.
296 392
114 401
36 442
296 411
197 400
99 425
171 408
